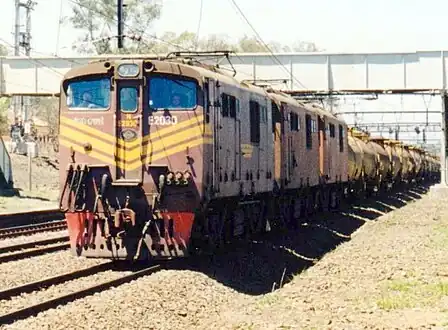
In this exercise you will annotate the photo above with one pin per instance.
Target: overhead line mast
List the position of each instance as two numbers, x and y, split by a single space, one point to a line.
120 23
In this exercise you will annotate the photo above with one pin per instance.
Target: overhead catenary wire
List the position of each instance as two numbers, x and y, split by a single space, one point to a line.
60 20
198 30
260 40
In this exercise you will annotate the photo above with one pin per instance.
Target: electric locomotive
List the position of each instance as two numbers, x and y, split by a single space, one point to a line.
164 157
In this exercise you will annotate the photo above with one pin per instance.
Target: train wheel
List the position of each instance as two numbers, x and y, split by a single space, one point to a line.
284 215
310 204
256 217
299 209
333 202
318 201
215 231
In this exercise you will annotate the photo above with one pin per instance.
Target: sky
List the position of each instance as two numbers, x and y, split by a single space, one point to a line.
336 26
333 25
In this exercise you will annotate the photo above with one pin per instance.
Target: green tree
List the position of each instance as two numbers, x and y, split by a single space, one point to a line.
47 109
97 19
4 106
170 41
305 46
251 45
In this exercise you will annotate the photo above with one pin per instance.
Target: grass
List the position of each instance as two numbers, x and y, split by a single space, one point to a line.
440 237
268 299
402 294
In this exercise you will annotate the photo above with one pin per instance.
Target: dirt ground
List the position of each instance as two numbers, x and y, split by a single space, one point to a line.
45 184
392 274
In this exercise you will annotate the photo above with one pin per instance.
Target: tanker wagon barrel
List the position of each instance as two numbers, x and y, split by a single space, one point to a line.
368 158
411 163
391 147
383 161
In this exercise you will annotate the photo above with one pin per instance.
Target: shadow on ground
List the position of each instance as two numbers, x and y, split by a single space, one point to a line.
260 266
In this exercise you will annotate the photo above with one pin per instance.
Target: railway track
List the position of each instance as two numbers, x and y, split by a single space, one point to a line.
15 231
68 297
32 249
26 218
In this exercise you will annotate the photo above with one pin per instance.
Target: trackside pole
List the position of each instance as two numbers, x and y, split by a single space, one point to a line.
441 189
29 170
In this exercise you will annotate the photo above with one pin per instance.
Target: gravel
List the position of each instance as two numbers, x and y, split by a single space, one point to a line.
36 268
390 274
160 301
31 238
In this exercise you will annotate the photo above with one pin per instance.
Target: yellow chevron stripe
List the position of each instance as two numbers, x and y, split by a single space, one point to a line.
80 149
134 155
169 152
136 164
86 128
160 132
177 147
81 138
181 147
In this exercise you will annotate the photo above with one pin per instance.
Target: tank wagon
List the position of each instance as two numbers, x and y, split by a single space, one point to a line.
162 158
377 163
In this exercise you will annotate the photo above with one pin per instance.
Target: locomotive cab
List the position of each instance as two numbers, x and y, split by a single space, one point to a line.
132 137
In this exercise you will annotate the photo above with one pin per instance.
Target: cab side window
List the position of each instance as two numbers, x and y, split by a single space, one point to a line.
309 136
229 105
341 138
254 109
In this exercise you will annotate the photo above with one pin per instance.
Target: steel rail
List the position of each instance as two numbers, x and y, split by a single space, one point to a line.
11 232
30 245
47 282
62 300
35 252
26 218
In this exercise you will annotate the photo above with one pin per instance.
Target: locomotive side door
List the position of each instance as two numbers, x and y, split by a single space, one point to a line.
289 147
277 131
322 146
215 121
237 150
229 141
129 131
264 151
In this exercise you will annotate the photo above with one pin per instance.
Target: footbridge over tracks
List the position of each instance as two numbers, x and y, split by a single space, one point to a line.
301 74
304 73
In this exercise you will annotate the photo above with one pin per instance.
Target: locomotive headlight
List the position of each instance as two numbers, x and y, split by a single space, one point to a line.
169 178
128 70
178 177
185 178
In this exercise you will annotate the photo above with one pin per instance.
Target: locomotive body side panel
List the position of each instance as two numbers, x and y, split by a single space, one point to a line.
296 145
337 151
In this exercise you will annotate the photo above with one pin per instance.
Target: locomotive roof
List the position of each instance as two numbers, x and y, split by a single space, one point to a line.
275 95
209 71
